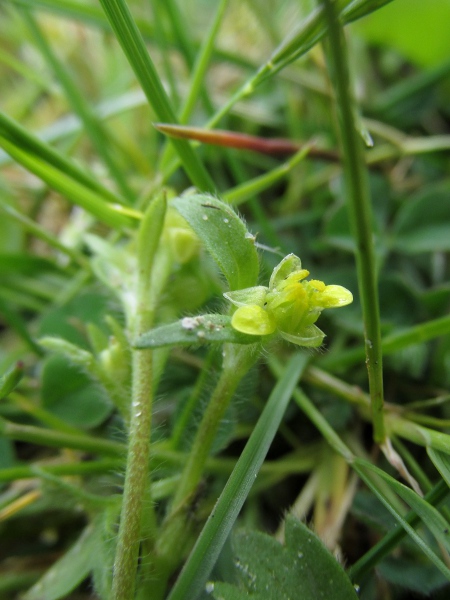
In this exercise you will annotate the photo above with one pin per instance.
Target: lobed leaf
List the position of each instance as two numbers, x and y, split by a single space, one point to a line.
303 568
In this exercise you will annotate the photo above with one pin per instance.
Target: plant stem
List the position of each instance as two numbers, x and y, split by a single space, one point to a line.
49 437
237 361
360 214
75 468
136 478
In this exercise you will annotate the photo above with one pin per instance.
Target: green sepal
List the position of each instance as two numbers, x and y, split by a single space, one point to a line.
254 295
311 337
194 330
225 237
288 265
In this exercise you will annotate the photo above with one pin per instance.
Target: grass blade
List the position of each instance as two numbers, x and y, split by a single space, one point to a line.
115 215
92 125
221 520
361 467
394 537
135 50
14 133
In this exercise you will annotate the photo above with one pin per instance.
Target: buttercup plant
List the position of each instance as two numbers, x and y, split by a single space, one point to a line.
167 461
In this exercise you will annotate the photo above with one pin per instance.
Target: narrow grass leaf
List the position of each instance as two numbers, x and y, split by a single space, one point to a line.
441 461
225 237
373 556
361 467
429 515
220 522
115 215
93 126
70 570
22 139
136 52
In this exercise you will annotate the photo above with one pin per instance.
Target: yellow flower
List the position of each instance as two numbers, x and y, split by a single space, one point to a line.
290 305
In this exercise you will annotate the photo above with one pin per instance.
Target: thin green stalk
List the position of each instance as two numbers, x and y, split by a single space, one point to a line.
413 466
77 468
42 415
48 437
136 52
136 486
423 436
93 127
407 88
244 191
179 28
360 214
39 232
161 43
172 539
23 300
14 319
182 421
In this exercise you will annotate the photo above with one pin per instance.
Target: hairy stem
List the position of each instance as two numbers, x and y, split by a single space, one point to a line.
175 532
137 477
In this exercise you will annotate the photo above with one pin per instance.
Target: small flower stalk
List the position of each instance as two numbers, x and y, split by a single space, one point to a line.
290 306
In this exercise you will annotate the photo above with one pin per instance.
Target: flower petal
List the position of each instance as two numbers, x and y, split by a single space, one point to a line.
334 296
310 336
253 320
248 296
290 263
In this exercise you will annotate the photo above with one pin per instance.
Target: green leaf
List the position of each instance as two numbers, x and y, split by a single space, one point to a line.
69 393
303 568
69 321
225 237
423 223
406 25
25 264
420 578
69 571
202 329
441 461
226 591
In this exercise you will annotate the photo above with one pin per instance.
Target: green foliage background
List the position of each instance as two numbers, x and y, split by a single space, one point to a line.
82 168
